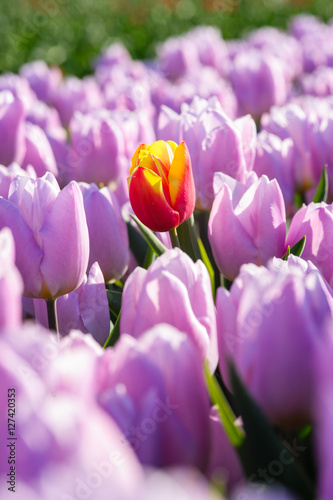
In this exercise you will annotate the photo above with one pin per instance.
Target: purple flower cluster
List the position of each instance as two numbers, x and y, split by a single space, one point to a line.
100 417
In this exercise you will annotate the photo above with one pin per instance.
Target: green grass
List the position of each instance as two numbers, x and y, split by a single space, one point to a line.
72 33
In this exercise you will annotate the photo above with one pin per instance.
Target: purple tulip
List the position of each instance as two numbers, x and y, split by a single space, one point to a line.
267 319
107 231
176 291
19 87
259 81
206 83
292 121
178 56
137 129
305 24
43 116
211 47
11 285
247 223
50 232
7 174
162 420
115 54
319 83
85 309
97 148
77 95
275 158
315 221
12 115
324 418
38 153
43 80
215 142
286 48
224 464
68 447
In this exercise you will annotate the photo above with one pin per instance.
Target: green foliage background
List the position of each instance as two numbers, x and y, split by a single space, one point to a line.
71 33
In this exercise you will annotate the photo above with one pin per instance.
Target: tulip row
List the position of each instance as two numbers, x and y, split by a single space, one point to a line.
122 403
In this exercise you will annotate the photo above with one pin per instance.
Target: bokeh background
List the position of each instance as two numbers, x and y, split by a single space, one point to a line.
71 33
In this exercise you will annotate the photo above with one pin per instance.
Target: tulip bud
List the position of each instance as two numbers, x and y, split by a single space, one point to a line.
161 185
50 232
315 221
247 224
267 319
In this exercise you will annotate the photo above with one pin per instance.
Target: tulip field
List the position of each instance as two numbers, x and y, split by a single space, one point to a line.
166 264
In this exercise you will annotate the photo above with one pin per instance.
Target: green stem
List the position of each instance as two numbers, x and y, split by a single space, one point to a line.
174 238
189 239
52 315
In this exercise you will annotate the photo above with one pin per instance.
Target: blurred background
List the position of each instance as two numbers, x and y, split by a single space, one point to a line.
71 33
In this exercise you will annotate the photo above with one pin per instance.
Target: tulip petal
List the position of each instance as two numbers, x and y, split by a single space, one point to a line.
28 253
65 242
149 203
94 307
181 183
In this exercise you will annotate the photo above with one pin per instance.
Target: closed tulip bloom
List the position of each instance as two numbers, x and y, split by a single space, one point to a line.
97 148
174 290
315 221
247 224
161 185
165 423
11 285
74 94
43 80
108 234
38 153
271 324
259 81
275 158
12 116
50 232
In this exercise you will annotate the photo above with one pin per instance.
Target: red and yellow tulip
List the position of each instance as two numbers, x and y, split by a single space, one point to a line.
161 185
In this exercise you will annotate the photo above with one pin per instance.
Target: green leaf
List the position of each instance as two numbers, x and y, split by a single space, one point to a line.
286 255
322 188
137 244
298 248
155 244
188 238
149 259
235 434
263 447
114 335
206 261
114 299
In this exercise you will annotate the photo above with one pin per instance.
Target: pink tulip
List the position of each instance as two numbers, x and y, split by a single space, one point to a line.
247 224
315 221
144 386
38 153
268 318
11 285
107 231
12 115
50 232
175 291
